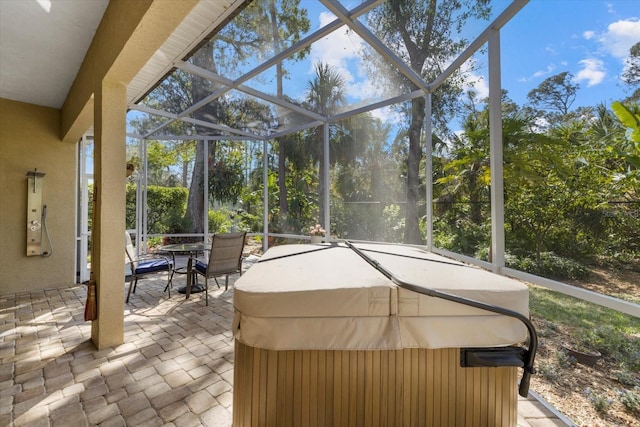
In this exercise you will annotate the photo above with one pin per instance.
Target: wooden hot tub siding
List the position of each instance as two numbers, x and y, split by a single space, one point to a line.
409 387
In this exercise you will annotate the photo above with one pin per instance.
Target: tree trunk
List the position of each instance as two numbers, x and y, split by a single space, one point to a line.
195 203
412 230
321 181
200 89
185 171
282 186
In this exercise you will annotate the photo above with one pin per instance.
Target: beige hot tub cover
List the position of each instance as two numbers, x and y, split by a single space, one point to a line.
326 297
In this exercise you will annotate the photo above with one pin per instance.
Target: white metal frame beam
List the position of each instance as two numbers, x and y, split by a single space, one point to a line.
206 74
374 42
496 153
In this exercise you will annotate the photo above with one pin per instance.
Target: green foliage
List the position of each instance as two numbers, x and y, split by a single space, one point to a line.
165 213
627 378
220 220
556 94
393 223
365 221
548 264
558 308
422 33
613 334
600 402
564 360
226 178
552 370
630 399
549 371
463 236
302 201
571 187
631 74
629 117
609 342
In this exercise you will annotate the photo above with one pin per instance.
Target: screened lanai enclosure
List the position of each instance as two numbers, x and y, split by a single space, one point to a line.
381 121
287 124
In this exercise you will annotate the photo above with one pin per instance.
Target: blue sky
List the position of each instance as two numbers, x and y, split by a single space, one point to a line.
588 38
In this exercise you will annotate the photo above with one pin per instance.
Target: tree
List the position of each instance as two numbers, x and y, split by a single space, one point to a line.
467 173
287 24
420 32
555 94
628 143
325 95
366 185
257 31
631 74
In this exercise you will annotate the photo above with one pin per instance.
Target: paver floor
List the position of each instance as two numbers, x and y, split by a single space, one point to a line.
174 368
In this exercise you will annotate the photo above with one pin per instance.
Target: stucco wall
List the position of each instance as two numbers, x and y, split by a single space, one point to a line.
30 138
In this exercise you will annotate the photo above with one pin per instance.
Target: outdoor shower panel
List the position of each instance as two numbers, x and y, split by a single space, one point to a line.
36 214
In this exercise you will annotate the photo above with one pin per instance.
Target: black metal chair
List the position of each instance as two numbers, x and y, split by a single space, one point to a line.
147 264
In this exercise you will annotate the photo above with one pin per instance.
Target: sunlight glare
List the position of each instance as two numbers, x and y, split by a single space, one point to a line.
45 4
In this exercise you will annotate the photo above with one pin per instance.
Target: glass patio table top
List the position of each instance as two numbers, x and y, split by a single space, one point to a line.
192 249
184 247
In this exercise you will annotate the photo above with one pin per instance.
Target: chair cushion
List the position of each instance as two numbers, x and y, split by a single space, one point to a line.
201 267
153 265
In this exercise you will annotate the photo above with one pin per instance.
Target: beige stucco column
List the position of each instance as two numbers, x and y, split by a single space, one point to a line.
110 108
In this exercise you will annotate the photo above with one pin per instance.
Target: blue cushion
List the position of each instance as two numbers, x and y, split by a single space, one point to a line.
153 265
201 267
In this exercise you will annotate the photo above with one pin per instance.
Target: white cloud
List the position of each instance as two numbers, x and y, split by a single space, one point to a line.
540 73
479 85
388 115
593 71
473 80
341 50
620 36
589 35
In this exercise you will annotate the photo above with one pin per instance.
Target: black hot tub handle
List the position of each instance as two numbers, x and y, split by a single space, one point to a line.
530 353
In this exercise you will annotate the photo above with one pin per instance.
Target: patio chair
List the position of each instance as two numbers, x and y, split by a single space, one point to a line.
225 258
147 264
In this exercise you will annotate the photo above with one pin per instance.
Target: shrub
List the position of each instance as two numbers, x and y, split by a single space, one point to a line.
599 401
614 343
549 370
627 378
220 221
630 399
548 265
166 209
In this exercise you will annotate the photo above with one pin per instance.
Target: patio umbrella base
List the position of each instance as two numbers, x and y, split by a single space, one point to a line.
194 289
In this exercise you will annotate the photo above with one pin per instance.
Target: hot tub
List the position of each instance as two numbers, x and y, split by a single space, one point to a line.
324 338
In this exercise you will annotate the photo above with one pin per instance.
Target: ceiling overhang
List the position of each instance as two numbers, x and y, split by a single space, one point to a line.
202 21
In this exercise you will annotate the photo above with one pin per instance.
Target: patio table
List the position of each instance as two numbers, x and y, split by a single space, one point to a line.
192 249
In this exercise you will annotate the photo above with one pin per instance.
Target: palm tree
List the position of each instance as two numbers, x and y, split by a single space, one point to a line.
325 95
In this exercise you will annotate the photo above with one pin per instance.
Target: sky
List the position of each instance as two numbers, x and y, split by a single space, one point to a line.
588 38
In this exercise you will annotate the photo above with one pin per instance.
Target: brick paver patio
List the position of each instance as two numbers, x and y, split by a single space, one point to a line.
175 367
